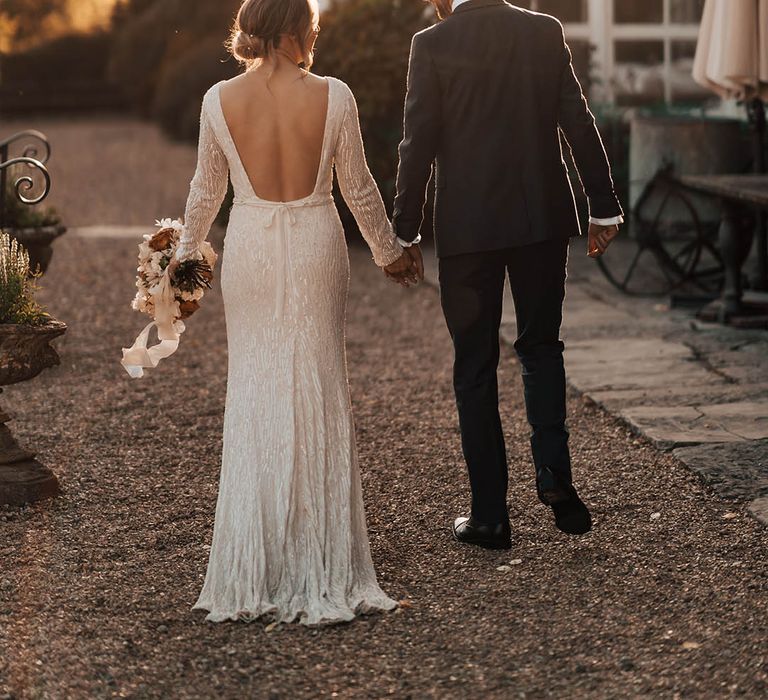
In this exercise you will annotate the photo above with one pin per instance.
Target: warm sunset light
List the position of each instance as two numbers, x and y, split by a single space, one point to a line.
87 14
50 20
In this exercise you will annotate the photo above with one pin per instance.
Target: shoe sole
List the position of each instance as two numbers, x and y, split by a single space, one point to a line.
573 532
485 544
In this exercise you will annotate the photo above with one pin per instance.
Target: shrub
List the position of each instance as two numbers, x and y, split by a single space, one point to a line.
182 84
153 38
20 215
139 48
75 57
17 286
366 44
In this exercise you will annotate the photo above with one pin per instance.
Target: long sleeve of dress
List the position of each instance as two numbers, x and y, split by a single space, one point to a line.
206 191
360 191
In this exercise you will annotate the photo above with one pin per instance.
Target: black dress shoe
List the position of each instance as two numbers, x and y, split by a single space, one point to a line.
571 515
469 531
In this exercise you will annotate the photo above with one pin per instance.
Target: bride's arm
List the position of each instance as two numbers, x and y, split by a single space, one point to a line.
206 191
360 191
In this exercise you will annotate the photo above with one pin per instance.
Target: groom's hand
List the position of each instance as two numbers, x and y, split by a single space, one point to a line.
418 261
403 270
600 237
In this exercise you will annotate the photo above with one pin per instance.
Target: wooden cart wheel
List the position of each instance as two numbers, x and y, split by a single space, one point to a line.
666 253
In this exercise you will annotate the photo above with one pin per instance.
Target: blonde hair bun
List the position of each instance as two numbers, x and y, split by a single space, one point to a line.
248 47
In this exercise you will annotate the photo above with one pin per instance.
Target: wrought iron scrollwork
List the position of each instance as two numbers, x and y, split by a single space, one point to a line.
26 182
31 150
34 155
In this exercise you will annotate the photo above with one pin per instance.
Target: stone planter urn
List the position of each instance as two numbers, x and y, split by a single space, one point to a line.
25 351
38 241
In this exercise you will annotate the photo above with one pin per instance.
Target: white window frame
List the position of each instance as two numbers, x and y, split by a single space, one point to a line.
601 31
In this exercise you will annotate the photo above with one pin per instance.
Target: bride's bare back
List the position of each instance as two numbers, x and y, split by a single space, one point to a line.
277 124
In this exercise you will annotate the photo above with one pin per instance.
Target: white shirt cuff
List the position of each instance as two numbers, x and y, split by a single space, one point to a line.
408 244
613 221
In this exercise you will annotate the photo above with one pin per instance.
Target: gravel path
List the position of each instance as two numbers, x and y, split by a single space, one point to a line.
96 586
111 169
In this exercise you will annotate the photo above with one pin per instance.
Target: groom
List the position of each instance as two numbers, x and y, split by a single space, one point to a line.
491 89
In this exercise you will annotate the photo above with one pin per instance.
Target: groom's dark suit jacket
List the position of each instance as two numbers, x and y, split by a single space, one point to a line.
490 88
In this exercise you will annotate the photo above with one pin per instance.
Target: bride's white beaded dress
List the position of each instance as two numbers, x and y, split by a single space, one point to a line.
290 539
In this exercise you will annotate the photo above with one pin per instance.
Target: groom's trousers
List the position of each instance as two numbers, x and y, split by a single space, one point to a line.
471 292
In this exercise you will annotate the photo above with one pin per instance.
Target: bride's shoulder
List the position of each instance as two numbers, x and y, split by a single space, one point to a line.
212 91
339 85
331 80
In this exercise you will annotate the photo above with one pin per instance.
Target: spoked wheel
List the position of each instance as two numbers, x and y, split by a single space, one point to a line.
670 251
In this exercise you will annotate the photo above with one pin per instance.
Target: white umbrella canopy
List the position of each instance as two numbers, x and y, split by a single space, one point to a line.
732 53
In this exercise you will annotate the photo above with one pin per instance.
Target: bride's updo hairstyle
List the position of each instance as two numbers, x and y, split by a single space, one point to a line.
261 24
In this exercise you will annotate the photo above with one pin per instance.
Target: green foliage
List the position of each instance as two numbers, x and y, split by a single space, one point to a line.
366 44
20 215
74 57
17 286
153 41
182 84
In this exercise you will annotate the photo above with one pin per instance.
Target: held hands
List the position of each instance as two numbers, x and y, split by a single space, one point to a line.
408 269
600 237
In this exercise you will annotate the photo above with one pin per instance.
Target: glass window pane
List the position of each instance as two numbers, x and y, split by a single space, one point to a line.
686 11
639 73
638 11
684 87
565 10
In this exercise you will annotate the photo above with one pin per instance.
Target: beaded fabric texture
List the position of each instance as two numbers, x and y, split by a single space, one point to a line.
290 539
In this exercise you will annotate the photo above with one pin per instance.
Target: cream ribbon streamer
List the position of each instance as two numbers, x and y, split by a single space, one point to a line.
139 357
285 219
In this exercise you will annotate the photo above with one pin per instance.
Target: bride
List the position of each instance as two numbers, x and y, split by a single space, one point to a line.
290 539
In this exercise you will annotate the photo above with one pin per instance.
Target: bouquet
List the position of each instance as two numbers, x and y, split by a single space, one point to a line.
166 298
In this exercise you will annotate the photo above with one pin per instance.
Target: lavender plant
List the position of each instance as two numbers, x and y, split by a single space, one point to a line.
18 285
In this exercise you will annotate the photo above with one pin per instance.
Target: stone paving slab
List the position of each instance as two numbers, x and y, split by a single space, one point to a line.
675 426
736 470
759 509
634 363
671 395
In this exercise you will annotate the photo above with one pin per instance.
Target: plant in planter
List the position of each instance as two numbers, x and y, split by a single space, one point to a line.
34 228
26 331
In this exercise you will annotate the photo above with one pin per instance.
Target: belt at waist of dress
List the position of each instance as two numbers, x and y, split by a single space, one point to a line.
283 220
312 201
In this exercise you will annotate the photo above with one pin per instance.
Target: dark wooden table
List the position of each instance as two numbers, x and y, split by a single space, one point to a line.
741 196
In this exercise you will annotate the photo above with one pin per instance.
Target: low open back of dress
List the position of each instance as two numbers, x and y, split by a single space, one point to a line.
279 137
